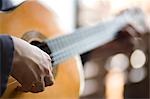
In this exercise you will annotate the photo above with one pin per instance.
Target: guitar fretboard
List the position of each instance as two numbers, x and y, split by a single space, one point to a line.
85 39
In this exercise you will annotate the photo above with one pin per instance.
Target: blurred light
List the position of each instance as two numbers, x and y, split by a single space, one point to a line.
91 70
107 64
119 5
89 3
137 75
119 62
138 58
91 87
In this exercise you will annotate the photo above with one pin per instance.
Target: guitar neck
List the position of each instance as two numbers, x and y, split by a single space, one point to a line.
86 39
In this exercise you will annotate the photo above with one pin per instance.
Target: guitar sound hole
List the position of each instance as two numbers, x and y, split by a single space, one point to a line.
35 43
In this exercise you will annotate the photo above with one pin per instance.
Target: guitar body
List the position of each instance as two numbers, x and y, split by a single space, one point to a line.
32 16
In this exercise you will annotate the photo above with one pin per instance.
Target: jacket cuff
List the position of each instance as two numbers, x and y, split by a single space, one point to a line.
6 59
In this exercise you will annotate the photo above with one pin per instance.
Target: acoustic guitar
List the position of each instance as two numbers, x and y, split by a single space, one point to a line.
32 22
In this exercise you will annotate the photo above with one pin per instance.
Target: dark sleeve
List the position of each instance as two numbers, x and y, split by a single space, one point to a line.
6 57
5 5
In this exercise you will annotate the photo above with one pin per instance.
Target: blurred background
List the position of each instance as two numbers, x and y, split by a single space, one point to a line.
119 69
